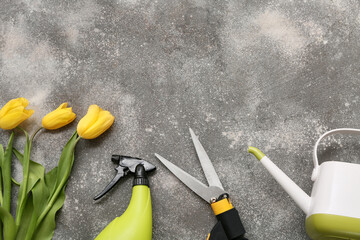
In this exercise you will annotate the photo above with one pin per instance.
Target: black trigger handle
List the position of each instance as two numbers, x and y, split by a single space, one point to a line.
121 172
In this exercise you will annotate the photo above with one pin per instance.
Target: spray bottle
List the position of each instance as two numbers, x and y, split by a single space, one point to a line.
136 222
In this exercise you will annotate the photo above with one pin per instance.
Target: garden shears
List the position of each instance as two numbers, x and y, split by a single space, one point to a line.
229 225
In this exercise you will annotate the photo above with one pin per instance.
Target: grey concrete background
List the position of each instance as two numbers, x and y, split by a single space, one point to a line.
273 74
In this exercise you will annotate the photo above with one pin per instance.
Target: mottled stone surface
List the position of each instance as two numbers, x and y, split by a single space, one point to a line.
273 74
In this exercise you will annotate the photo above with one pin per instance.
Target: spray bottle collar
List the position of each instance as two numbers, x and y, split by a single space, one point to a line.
140 177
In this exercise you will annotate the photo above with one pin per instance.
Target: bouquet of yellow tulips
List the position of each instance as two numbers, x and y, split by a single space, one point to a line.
41 194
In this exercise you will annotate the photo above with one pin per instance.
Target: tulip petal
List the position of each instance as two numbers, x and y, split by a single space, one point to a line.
14 103
104 121
11 120
89 119
14 112
95 122
63 105
16 109
58 118
29 112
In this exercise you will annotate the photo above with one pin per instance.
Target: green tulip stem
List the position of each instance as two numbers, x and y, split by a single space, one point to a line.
7 174
22 197
59 187
1 193
33 135
23 192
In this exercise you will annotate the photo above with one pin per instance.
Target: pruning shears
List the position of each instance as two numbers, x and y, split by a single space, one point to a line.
229 225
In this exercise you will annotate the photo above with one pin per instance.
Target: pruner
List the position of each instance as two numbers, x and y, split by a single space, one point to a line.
229 226
126 165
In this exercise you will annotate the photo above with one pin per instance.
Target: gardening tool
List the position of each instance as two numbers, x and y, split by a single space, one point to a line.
229 226
333 210
136 222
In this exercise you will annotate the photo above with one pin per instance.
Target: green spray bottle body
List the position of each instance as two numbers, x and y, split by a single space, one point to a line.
136 222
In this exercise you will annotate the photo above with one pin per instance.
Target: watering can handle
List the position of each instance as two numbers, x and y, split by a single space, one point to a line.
334 131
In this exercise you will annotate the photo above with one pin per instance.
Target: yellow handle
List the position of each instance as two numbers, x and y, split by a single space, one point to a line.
221 206
229 225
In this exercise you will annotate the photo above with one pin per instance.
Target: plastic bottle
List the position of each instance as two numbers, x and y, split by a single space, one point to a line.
136 222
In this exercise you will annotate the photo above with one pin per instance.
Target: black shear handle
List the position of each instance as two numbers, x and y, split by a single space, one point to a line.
229 225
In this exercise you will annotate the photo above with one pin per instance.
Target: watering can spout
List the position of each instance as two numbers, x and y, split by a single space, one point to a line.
296 193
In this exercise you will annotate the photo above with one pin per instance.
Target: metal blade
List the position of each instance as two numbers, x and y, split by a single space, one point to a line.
206 164
205 192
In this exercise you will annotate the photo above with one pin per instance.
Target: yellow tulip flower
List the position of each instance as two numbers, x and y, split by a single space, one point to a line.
14 113
95 122
58 118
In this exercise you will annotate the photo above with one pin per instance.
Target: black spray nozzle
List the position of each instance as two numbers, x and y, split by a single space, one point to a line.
140 176
131 162
128 164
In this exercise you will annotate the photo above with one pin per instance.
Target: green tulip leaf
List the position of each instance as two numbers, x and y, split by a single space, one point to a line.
15 182
50 178
9 229
65 162
9 224
1 168
40 195
46 229
41 191
62 174
5 196
36 170
35 180
27 216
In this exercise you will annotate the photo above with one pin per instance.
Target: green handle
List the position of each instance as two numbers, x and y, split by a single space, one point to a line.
136 222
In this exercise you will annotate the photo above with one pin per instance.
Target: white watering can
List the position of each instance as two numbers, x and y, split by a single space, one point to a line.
333 210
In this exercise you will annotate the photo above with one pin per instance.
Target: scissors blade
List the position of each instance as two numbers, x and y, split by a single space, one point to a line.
205 192
208 168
